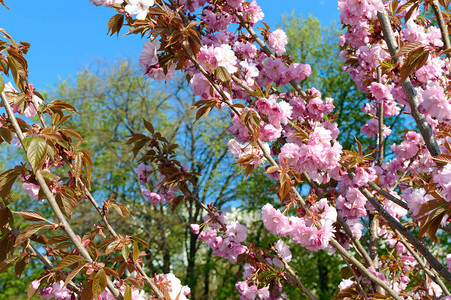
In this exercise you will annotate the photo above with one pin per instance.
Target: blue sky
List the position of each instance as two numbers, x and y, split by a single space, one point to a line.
66 35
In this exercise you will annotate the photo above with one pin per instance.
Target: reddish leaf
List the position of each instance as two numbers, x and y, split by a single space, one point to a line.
6 263
7 180
68 261
31 216
73 273
27 232
115 24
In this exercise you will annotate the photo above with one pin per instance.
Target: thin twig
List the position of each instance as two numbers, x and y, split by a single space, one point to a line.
420 261
293 273
140 270
408 235
441 24
44 260
359 286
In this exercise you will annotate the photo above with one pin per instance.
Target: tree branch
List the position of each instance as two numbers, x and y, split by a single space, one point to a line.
441 24
52 201
409 90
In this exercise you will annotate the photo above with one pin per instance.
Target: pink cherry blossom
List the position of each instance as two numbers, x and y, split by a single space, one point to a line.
148 55
278 40
139 8
275 221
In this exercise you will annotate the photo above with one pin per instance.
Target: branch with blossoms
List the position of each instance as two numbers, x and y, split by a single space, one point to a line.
245 76
392 53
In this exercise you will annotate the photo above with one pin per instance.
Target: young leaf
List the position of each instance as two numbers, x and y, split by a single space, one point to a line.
28 232
6 263
125 252
115 24
31 216
135 252
36 152
7 180
19 268
99 283
128 293
68 261
73 273
2 83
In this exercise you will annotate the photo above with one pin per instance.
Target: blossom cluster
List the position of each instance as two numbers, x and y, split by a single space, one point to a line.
312 232
165 193
225 242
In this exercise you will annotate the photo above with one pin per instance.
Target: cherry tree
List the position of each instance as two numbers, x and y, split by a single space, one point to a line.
380 213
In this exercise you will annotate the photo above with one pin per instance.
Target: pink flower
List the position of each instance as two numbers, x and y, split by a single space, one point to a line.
153 198
371 129
201 86
236 230
254 13
246 50
443 179
270 133
144 173
234 3
309 236
345 284
249 291
415 199
207 235
248 271
278 40
32 190
225 57
361 177
299 72
139 8
435 103
284 251
195 228
275 221
35 284
106 2
148 55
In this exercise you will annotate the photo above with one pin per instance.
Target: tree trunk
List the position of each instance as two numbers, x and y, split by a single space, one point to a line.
191 264
207 274
323 274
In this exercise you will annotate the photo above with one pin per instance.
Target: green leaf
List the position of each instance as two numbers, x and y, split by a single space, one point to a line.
2 83
135 252
36 152
125 252
128 293
99 283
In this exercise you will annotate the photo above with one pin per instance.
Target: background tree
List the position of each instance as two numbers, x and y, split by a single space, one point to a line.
318 45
